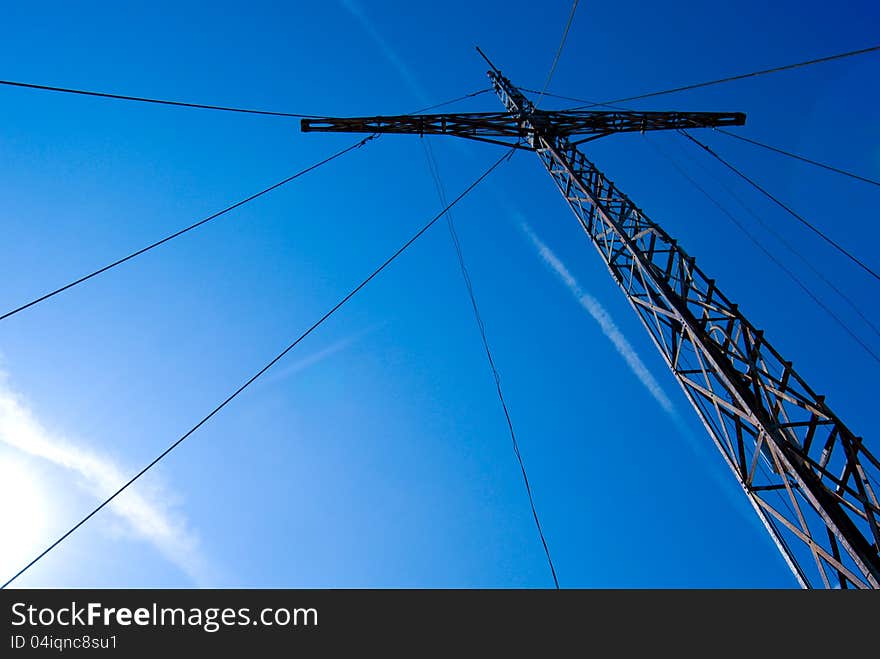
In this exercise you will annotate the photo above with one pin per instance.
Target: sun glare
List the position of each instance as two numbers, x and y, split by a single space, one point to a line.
23 514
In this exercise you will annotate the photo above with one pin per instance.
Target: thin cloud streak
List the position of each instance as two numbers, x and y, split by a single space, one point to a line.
143 512
592 306
606 323
356 10
321 355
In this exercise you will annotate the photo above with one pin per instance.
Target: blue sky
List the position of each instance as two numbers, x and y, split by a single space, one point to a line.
376 453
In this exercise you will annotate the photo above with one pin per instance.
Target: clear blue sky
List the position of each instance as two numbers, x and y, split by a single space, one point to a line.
376 453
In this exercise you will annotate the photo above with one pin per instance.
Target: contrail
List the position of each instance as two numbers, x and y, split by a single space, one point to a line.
355 9
606 324
593 307
142 512
321 355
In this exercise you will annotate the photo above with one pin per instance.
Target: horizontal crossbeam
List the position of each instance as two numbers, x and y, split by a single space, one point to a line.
498 126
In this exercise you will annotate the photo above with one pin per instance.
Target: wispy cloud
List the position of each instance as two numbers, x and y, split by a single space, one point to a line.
593 307
145 512
606 323
355 9
320 356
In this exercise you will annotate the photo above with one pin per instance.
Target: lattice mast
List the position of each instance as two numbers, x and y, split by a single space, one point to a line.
810 480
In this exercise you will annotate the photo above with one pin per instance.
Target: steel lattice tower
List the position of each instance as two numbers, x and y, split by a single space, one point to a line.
809 478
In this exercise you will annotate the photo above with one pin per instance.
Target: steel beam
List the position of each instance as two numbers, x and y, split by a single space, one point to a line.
512 126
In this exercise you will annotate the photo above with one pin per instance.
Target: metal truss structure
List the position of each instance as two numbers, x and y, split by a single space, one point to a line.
809 478
493 126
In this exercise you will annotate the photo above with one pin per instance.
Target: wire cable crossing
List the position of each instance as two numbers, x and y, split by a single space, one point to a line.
788 440
741 76
177 234
559 96
219 213
574 6
791 248
450 223
265 368
453 100
199 106
157 101
790 273
787 208
798 157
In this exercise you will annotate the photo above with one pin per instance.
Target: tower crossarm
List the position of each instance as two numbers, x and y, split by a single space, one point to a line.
512 127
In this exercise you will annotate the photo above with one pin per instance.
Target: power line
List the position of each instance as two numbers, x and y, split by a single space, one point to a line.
219 213
265 368
798 157
719 130
559 96
797 280
725 132
570 98
200 106
803 258
791 248
753 74
787 208
558 51
435 173
767 146
166 239
454 100
158 101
